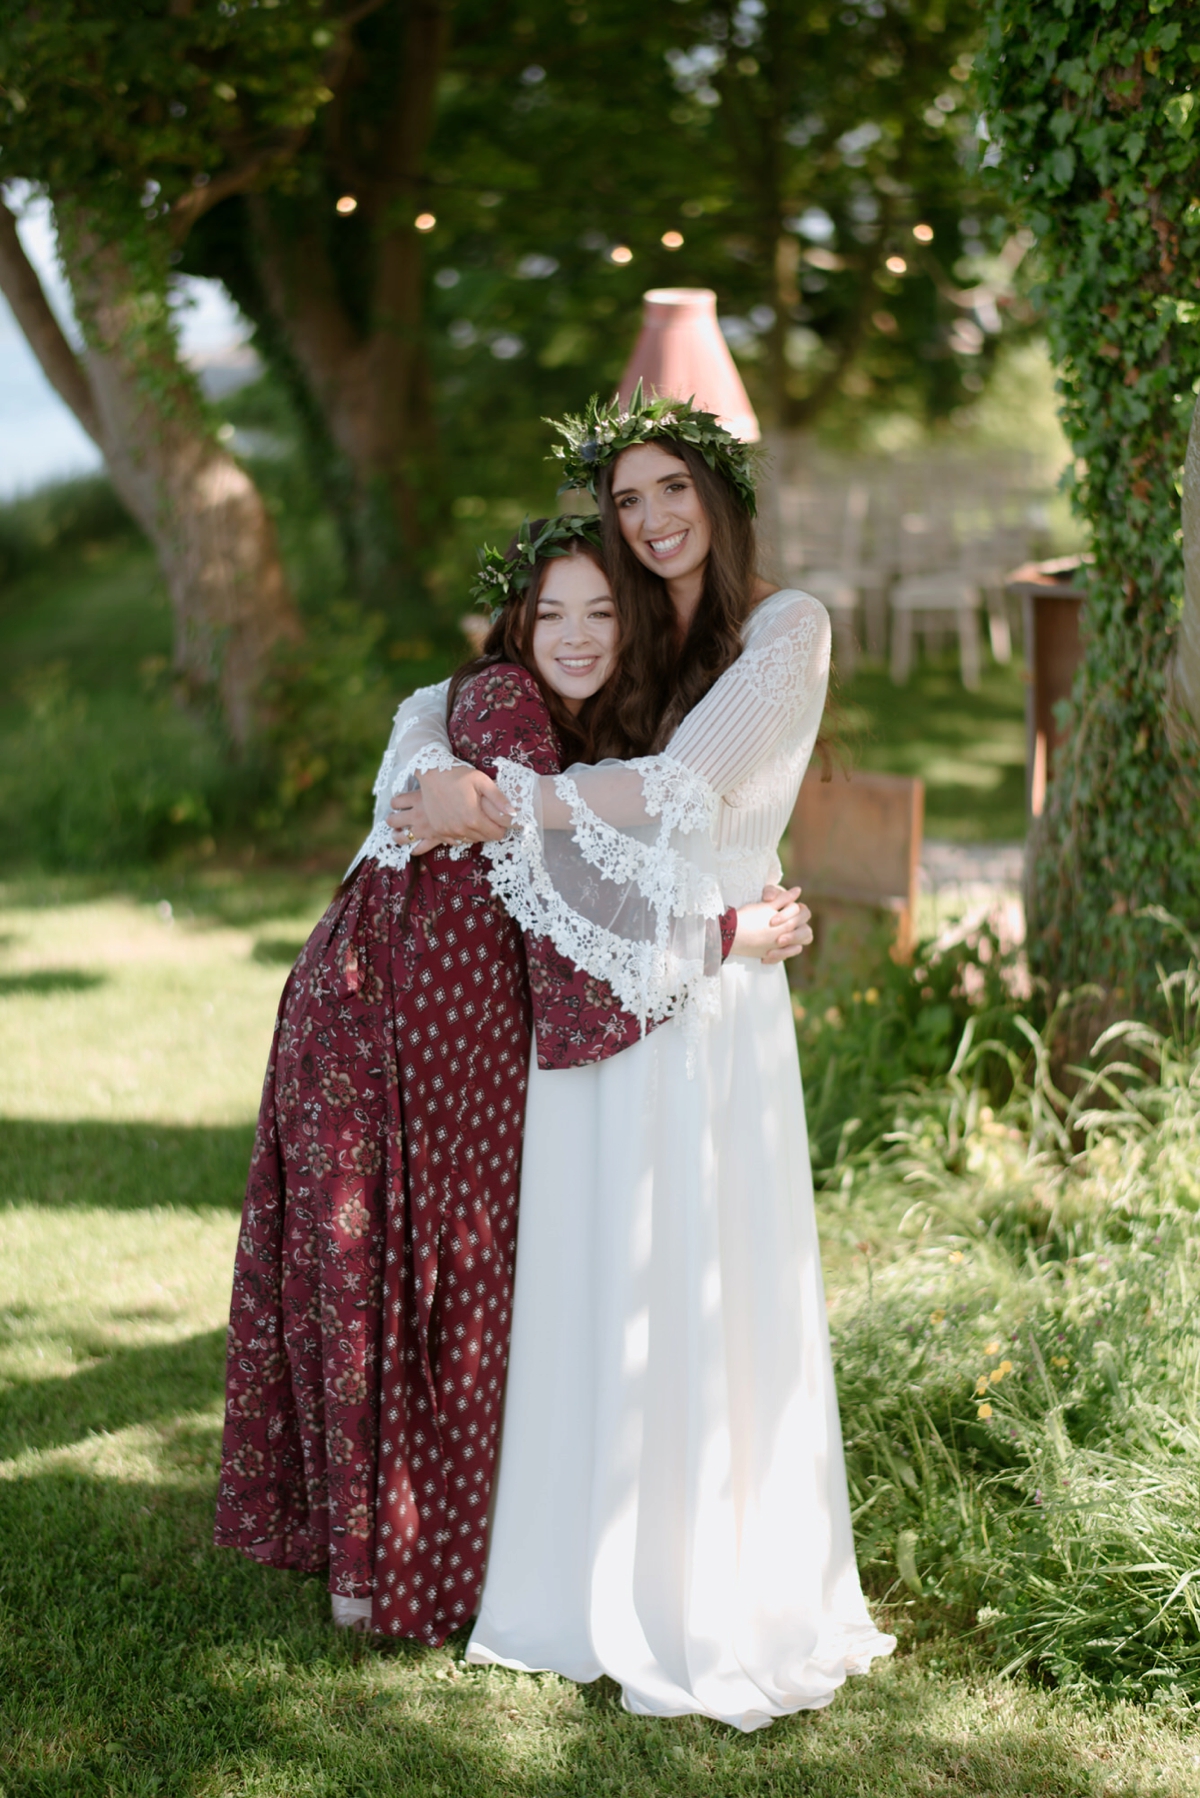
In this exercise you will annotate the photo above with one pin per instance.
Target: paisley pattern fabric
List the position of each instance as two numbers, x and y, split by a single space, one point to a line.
369 1324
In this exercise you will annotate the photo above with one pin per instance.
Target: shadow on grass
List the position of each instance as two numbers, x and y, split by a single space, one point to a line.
278 951
123 1167
48 981
150 1384
135 1658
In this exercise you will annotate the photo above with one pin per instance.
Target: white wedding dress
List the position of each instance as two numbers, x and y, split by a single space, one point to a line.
671 1505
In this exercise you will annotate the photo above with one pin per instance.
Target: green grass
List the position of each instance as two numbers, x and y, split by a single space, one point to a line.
134 1657
968 748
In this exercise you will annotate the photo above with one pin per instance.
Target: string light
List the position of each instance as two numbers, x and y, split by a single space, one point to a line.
672 240
895 265
347 204
425 221
923 233
621 252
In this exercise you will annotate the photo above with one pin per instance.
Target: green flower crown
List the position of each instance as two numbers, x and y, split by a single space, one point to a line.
597 438
503 578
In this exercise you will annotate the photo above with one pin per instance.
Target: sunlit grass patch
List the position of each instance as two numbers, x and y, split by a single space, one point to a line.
135 1658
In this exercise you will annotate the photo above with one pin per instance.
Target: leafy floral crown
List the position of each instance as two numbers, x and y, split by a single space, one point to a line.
597 437
503 578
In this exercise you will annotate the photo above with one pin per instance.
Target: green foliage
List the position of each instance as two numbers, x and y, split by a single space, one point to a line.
1092 110
560 138
140 106
64 515
91 782
1019 1384
865 1049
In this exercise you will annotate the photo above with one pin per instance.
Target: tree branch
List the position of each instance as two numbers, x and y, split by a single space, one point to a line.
199 200
61 366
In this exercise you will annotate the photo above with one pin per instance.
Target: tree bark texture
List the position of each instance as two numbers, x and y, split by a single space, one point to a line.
369 379
214 538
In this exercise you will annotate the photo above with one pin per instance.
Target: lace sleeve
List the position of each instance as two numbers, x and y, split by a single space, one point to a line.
420 740
775 688
616 864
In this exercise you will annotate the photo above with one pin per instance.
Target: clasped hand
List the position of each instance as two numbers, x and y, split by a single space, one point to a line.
453 805
462 805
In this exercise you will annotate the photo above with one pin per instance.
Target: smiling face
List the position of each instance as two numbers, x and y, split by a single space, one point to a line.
661 515
575 633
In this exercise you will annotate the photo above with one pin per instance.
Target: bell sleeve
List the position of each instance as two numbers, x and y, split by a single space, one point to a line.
616 864
419 742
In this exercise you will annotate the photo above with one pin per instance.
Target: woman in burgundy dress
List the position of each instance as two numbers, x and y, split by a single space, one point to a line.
369 1325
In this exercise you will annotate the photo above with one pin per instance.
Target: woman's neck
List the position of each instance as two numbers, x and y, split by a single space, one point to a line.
684 594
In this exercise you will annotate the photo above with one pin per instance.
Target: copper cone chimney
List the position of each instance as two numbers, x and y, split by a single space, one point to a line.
682 354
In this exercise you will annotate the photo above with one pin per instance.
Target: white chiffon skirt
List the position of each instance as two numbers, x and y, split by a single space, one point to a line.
671 1505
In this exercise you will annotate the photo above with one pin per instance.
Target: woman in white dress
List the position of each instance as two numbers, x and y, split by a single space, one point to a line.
671 1506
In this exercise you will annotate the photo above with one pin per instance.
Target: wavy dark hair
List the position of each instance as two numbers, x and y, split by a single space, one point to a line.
595 732
662 680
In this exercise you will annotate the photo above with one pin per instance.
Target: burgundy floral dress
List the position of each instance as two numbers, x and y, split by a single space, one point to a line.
369 1326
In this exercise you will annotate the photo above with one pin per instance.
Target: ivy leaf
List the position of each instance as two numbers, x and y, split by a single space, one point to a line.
1062 125
1062 166
1181 111
1135 143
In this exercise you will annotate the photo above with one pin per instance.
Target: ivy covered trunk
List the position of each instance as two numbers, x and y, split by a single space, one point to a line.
1092 107
213 535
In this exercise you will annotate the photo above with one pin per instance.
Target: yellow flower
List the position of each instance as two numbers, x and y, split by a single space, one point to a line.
956 1256
996 1375
992 1348
1004 1367
937 1317
1060 1361
981 1385
857 998
984 1411
872 995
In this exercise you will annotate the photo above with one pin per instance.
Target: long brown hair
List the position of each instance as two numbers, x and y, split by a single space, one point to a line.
595 731
662 681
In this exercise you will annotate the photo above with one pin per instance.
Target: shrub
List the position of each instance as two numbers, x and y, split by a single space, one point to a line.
1019 1386
864 1047
97 782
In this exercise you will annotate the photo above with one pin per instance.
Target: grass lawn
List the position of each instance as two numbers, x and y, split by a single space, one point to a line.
137 1659
968 748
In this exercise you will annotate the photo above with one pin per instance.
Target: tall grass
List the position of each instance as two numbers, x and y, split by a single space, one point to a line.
1020 1381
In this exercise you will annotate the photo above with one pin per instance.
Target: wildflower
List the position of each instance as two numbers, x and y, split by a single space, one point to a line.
992 1348
937 1317
981 1385
984 1411
956 1256
833 1016
872 995
857 998
1060 1361
998 1373
798 1011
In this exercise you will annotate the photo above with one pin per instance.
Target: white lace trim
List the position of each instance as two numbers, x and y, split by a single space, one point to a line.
399 776
650 977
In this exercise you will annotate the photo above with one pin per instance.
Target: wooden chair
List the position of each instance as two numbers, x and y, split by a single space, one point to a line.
855 847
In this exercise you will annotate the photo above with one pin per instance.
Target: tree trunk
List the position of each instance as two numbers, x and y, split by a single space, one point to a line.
1184 675
371 385
214 538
